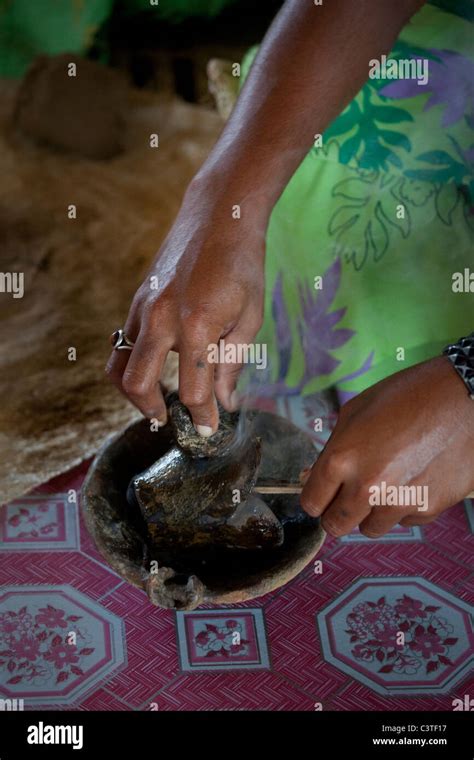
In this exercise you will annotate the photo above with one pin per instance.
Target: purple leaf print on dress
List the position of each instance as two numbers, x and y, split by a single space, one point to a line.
318 333
283 331
450 82
316 328
345 396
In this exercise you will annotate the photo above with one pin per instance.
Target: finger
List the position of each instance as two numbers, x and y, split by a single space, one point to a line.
118 360
227 374
345 512
323 484
226 379
116 366
141 377
424 511
380 521
416 519
196 387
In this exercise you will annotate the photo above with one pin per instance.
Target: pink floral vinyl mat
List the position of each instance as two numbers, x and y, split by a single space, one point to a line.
75 636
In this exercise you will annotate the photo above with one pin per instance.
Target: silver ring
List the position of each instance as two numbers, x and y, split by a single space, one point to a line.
120 342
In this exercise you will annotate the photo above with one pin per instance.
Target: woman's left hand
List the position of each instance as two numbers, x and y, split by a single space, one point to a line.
416 429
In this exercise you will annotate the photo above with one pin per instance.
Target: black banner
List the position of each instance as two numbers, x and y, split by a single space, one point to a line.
64 734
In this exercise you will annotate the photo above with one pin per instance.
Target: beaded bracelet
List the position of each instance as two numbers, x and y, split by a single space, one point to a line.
461 355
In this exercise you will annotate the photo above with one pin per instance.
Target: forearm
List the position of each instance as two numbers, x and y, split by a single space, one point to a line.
312 62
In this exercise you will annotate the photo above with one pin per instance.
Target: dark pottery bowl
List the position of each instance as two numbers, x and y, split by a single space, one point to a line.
191 579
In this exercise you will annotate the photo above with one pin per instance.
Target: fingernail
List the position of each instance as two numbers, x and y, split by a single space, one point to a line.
157 422
204 430
234 400
311 510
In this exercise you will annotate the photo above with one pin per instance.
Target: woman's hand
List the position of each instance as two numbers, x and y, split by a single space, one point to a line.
415 428
210 269
205 284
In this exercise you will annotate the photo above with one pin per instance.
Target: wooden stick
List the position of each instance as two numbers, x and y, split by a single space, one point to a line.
295 488
278 489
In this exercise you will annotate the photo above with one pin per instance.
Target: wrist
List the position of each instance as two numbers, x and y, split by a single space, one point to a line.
230 190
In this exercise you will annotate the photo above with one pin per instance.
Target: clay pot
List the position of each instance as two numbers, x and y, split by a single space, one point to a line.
186 579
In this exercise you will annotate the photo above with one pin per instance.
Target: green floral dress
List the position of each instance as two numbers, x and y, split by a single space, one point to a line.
383 214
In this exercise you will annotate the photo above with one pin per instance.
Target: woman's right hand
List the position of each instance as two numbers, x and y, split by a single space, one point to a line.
206 283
